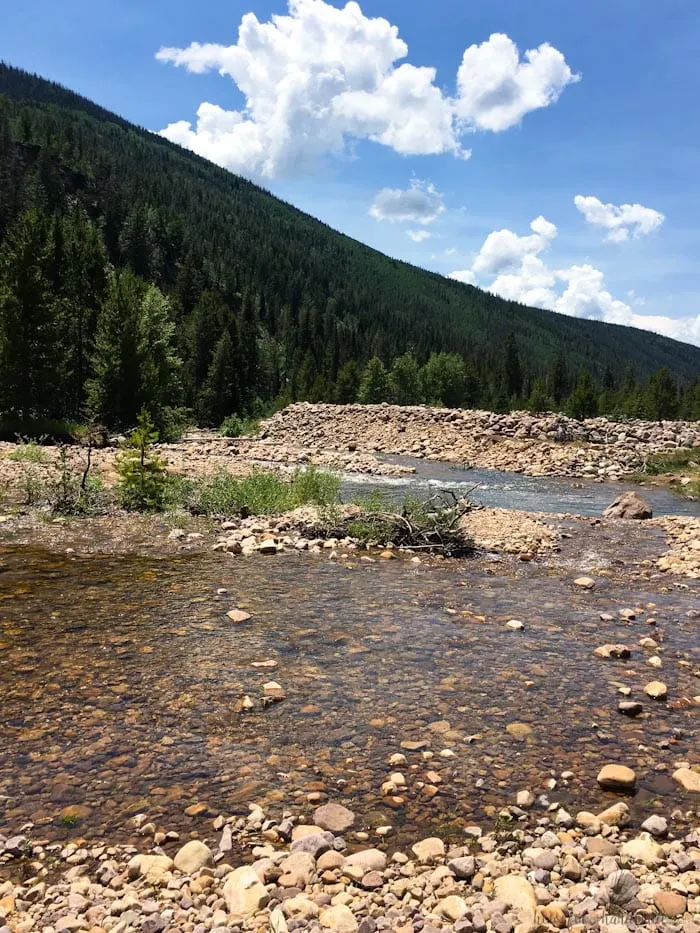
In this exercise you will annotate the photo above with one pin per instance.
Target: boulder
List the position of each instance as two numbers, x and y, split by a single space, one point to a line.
334 817
367 860
244 893
629 505
193 856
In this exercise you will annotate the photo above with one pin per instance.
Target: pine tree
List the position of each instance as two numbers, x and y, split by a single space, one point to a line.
221 394
114 391
405 381
159 365
558 382
513 374
31 376
374 386
583 401
348 383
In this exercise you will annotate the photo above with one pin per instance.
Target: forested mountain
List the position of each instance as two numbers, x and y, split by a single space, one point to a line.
134 272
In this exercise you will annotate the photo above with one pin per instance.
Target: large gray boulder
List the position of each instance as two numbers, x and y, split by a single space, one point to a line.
629 505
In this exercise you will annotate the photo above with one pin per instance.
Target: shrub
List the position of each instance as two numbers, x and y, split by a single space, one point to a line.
263 492
234 426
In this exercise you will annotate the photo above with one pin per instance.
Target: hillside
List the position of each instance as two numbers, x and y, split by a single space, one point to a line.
253 299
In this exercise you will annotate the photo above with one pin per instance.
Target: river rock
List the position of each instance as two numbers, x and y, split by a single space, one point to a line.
244 893
314 844
463 868
688 779
656 825
334 817
617 777
670 904
366 860
428 850
518 893
339 918
585 583
154 868
297 870
657 690
452 907
238 615
621 887
630 505
616 815
193 856
612 651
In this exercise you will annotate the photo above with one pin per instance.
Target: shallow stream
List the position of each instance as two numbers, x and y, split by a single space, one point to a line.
513 490
119 680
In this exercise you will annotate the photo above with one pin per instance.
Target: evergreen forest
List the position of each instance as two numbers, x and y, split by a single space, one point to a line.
134 274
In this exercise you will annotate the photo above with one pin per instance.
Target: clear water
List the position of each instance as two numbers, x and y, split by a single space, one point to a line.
120 679
513 490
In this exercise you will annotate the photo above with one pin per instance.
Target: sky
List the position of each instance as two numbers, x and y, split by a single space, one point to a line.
546 151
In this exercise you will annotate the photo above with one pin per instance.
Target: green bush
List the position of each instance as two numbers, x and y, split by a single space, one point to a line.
234 426
261 493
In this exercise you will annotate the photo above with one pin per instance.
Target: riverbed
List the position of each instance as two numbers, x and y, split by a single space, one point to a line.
121 680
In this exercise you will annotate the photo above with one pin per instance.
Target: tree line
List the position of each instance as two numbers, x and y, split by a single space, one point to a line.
133 275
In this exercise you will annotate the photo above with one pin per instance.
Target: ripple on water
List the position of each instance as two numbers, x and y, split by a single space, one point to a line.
120 680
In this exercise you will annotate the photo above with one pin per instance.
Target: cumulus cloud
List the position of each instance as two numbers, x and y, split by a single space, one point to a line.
496 89
418 236
620 221
518 272
420 203
463 275
317 78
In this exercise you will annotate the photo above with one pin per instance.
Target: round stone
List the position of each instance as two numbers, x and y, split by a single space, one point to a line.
617 777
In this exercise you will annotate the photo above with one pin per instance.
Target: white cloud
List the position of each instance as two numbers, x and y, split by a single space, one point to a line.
620 220
519 273
420 203
320 76
463 275
504 250
418 236
496 89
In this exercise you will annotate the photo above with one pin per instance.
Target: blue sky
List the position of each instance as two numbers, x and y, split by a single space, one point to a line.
331 108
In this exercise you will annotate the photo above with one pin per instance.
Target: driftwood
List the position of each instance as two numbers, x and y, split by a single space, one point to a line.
431 525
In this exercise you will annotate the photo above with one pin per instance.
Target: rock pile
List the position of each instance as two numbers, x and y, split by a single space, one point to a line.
581 872
549 444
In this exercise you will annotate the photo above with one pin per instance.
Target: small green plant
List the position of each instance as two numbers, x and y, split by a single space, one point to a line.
33 460
234 426
29 450
69 820
143 478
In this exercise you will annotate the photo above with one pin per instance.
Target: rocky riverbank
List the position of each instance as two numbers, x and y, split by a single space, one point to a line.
546 445
541 869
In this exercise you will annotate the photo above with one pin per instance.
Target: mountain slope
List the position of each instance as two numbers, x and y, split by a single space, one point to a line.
321 298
